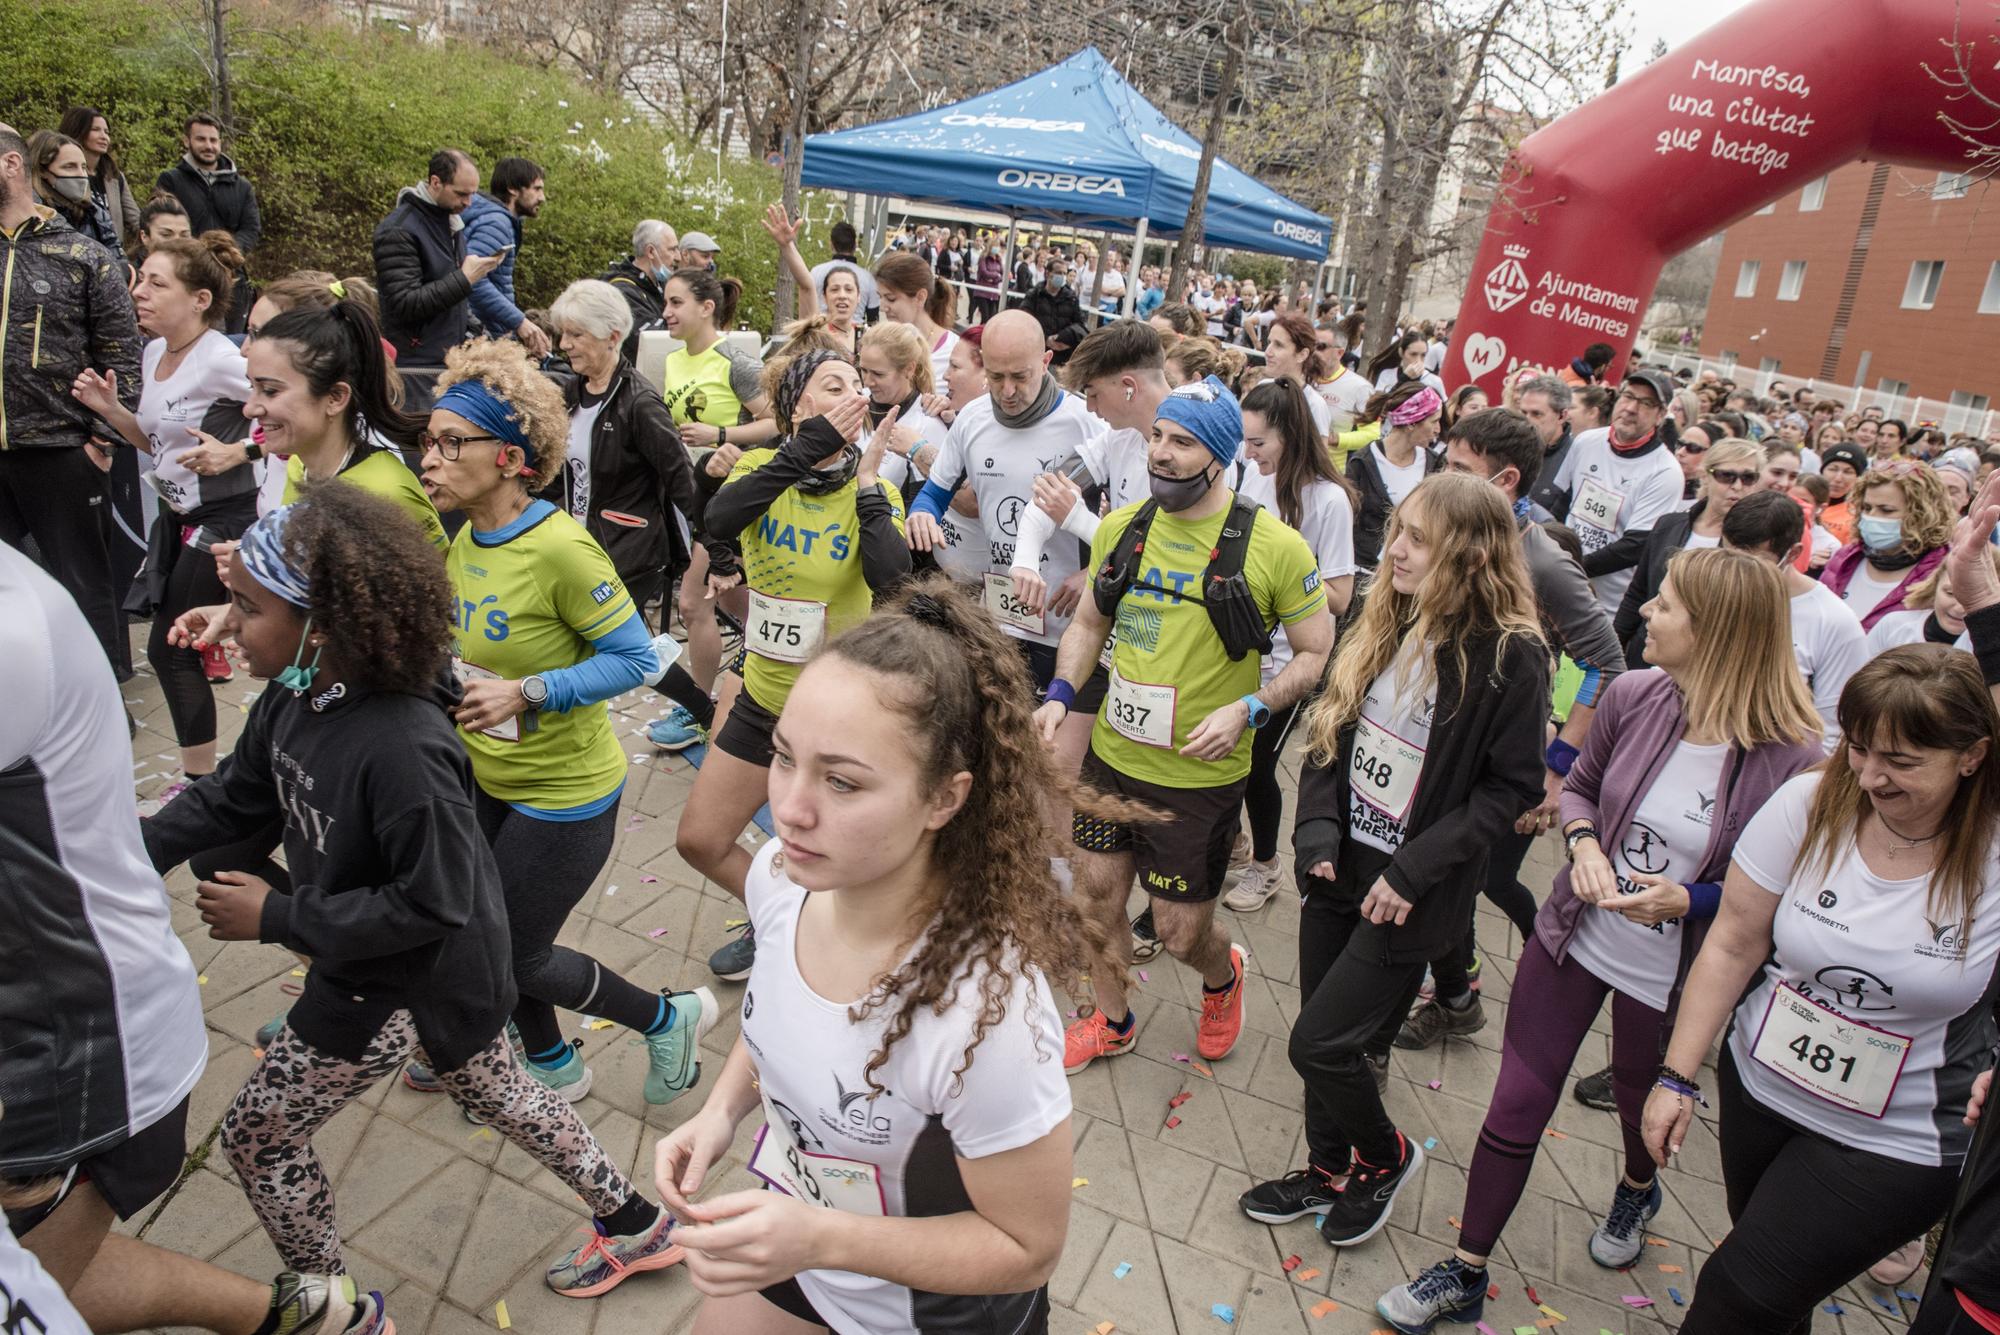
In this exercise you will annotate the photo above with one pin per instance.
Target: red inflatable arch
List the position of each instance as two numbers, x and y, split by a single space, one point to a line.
1593 205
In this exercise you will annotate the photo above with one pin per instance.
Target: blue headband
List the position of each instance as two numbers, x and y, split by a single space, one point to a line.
1210 413
480 406
263 553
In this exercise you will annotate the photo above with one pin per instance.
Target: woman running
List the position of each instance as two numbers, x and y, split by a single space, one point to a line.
1424 747
821 537
193 389
346 610
1902 525
712 388
1678 760
1389 469
913 926
1853 966
545 634
1289 474
913 295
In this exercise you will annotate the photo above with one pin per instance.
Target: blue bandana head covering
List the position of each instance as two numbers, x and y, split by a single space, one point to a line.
477 404
1211 415
264 556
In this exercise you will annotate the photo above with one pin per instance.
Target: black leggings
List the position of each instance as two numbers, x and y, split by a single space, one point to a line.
546 866
1807 1215
191 582
1504 889
1264 797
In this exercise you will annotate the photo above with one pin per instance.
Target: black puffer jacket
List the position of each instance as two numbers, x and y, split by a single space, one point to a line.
426 298
66 308
223 199
643 295
639 498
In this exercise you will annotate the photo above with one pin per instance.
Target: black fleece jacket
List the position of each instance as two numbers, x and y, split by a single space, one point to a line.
396 897
1482 769
640 473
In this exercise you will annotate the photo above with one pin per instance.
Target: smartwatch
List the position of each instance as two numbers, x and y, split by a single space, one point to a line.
252 451
1260 713
535 691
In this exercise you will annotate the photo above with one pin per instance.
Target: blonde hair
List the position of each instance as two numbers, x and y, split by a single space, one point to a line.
1928 518
1727 451
906 351
505 369
1477 584
1743 682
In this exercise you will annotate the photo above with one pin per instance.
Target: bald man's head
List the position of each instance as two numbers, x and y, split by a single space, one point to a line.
1017 358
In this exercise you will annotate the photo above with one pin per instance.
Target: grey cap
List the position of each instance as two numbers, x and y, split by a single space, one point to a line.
701 241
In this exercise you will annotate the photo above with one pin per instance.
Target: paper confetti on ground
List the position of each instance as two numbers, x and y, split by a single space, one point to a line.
1291 1263
1485 1329
500 1316
1907 1296
1550 1312
1656 1242
1675 1294
1834 1309
298 973
1635 1300
1452 1219
650 880
1143 977
1201 1070
1531 1296
1554 1134
1178 1099
1307 1275
201 979
1173 1122
1524 1330
1886 1305
1122 1269
601 1024
1430 1142
1103 1328
731 924
1324 1308
657 933
1671 1269
610 889
1180 1056
1224 1313
1076 1182
1492 1290
1437 1084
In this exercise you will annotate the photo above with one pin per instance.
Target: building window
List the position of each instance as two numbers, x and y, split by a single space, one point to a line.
1746 278
1767 365
1770 208
1989 300
1894 389
1791 279
1813 198
1951 185
1921 292
1728 357
1974 403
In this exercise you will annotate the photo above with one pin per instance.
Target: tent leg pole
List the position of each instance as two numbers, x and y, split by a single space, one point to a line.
1132 263
1007 262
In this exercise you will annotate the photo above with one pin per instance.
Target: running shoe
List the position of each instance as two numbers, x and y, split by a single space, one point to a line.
1093 1037
1451 1289
569 1077
1239 857
677 731
326 1305
1432 1020
1260 881
215 664
1622 1236
1897 1267
1429 989
1145 937
1365 1203
732 962
423 1079
1221 1022
1594 1091
1301 1192
675 1055
267 1032
605 1261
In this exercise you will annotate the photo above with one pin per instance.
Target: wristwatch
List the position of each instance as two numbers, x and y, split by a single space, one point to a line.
1576 836
1260 713
252 451
535 691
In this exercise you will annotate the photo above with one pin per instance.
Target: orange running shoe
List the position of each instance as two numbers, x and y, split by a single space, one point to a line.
1093 1037
1222 1013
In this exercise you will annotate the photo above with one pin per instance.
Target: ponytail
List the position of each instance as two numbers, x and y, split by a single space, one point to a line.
943 304
341 344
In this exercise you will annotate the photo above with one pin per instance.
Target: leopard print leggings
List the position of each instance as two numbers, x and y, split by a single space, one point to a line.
267 1132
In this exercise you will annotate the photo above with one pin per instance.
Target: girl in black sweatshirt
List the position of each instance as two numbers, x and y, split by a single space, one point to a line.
395 896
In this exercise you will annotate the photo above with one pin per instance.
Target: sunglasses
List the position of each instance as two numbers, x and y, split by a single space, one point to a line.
1730 477
1692 447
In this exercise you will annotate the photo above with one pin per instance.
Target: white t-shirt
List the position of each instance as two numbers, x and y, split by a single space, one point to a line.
1830 647
1116 460
941 358
1213 307
1824 545
1697 541
1612 494
1907 627
1389 745
1322 413
36 1304
1328 528
68 762
212 373
1400 480
1347 394
1868 590
960 556
871 299
1865 948
1668 836
576 460
1001 464
1392 376
809 1058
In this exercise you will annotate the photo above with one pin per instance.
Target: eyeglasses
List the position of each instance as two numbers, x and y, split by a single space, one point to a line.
1643 400
447 444
1730 477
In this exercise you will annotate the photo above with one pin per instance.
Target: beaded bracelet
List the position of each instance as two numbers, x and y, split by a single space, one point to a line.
1674 1082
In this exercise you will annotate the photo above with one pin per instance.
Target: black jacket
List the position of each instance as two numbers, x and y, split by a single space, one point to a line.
1482 769
227 202
1555 503
65 307
426 298
1667 536
1054 310
643 295
1371 516
396 896
639 471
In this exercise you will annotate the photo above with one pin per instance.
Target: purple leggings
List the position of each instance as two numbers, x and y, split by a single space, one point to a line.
1549 1011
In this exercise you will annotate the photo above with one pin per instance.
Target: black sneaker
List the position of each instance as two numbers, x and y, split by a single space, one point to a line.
1145 938
1363 1207
731 963
1297 1194
1432 1020
1594 1091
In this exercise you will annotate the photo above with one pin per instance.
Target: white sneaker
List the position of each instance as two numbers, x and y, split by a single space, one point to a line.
1260 881
1239 858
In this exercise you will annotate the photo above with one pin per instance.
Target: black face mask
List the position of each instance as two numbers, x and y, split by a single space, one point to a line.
1176 494
820 481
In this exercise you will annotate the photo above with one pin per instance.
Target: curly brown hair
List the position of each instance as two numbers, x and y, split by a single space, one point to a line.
966 701
504 368
379 587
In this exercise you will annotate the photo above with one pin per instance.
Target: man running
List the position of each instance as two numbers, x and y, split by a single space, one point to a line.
1181 706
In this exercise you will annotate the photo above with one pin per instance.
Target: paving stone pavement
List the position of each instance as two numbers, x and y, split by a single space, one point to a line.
450 1221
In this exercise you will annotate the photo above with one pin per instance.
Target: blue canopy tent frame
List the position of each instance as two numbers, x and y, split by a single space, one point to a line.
1074 144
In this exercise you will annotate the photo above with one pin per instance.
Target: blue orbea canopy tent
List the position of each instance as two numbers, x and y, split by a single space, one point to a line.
1074 144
